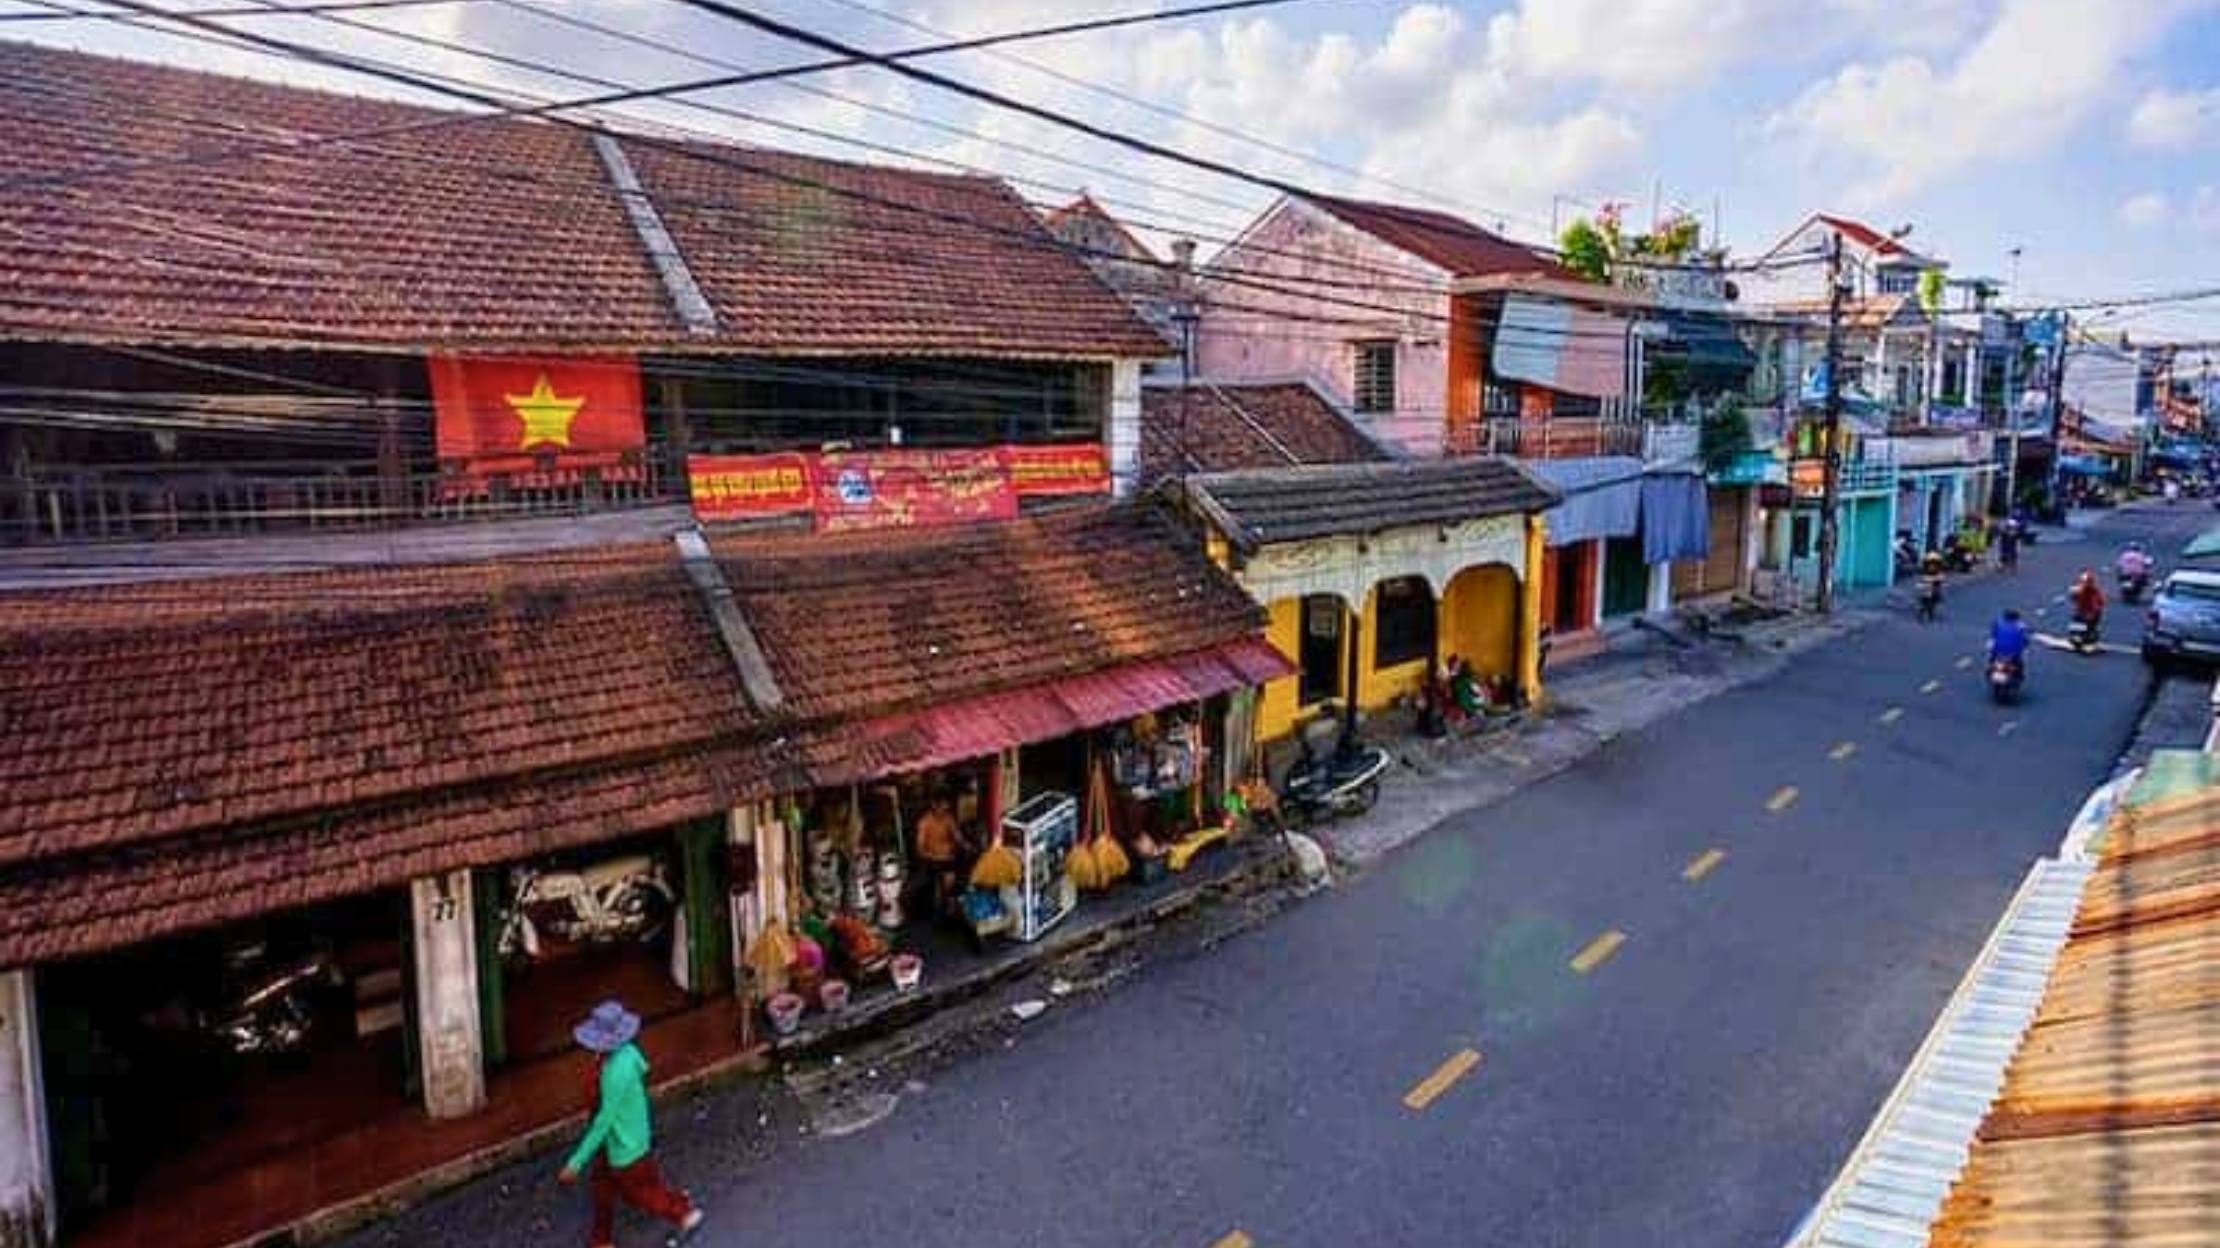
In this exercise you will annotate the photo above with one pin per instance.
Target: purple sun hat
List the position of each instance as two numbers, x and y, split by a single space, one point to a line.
609 1028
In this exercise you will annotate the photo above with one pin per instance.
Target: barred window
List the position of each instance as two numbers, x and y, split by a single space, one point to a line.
1375 388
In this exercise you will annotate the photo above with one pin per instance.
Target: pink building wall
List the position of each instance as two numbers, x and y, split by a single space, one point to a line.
1309 329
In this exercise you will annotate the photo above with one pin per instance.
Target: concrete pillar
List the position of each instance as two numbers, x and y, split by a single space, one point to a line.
1971 389
451 1046
1125 426
1660 590
26 1170
1753 543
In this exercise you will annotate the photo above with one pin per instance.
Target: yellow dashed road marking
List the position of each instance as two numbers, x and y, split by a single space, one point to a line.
1235 1239
1930 686
1843 751
2008 727
1784 798
1892 714
1425 1090
1703 864
1964 662
1598 950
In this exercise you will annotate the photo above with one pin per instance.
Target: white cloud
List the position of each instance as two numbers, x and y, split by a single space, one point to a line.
2031 77
2175 119
2146 210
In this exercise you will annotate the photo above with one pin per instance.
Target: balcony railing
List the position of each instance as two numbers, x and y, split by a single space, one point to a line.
151 502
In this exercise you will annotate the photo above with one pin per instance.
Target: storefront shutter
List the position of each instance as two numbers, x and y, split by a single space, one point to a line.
708 926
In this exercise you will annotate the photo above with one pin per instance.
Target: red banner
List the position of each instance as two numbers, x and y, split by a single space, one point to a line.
899 489
541 419
1081 468
747 487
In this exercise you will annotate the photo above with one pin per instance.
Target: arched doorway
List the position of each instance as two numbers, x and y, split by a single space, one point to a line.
1480 619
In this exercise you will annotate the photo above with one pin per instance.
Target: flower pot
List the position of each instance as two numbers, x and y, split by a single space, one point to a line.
833 996
908 969
785 1010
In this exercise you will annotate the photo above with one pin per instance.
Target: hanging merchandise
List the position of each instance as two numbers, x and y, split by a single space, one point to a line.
770 956
1111 861
893 876
997 868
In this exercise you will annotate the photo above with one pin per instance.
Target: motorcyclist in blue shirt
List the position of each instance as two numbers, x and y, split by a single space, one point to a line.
2008 638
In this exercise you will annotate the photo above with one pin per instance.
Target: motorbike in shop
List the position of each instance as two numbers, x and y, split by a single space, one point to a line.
626 900
266 1006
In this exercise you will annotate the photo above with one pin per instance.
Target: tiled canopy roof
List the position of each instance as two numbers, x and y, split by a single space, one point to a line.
1449 242
438 231
186 753
1222 426
1260 507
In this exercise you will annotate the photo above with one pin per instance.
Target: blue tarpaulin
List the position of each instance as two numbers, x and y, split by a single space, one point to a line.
1603 497
1676 519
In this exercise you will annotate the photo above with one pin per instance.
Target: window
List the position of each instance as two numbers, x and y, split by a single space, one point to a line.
1375 388
1898 281
1406 622
1320 649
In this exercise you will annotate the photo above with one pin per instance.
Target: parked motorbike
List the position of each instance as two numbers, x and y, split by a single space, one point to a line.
622 900
1344 782
2005 678
265 1007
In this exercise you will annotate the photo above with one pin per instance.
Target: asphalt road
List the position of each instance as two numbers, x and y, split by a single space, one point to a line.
1696 1084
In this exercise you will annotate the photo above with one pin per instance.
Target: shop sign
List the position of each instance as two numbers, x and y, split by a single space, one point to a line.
1081 468
1808 477
903 489
537 421
895 488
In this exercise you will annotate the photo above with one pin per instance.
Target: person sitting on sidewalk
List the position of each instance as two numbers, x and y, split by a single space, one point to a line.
617 1142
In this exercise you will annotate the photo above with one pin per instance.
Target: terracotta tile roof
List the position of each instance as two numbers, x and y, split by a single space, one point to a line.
481 235
1258 507
1869 312
1441 239
1221 426
184 753
1862 234
2113 1096
491 235
873 622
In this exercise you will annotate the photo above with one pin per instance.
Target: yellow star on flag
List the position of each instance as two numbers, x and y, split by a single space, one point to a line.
546 415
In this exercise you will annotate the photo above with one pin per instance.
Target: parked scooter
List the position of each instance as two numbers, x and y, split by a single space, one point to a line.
1344 782
265 1007
622 900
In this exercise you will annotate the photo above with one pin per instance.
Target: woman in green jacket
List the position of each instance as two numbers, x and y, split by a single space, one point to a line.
619 1138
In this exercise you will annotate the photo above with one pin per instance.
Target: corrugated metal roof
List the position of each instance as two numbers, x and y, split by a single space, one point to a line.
1895 1181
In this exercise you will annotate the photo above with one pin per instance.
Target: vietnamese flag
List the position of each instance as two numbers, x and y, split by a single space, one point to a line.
543 418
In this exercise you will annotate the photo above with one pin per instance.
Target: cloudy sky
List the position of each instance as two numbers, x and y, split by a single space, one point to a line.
2083 133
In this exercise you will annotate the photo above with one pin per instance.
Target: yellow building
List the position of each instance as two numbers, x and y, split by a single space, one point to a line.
1377 574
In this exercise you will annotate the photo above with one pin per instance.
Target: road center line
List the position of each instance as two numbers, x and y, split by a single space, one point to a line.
1965 661
1843 751
2008 727
1892 714
1234 1239
1783 798
1422 1094
1598 950
1930 686
1702 865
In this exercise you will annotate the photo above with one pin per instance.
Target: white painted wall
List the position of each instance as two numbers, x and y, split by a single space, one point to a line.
451 1042
1125 426
26 1170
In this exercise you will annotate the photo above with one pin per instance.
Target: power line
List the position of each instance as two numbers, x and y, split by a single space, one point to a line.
499 108
1174 114
302 10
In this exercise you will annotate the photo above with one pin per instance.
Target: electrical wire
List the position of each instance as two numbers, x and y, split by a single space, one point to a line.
318 6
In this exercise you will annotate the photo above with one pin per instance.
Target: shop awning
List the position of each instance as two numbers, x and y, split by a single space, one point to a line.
1603 497
1676 518
979 726
1563 346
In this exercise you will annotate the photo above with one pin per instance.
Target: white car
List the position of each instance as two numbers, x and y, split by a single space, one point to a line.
2184 618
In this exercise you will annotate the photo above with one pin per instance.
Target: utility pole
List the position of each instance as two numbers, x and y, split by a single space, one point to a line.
1831 487
2057 403
2011 416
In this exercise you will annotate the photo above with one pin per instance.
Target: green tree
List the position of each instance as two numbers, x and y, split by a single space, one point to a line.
1724 435
1584 250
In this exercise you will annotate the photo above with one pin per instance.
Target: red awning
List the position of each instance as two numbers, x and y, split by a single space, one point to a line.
976 727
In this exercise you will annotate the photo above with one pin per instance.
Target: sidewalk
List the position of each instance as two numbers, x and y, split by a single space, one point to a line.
1649 677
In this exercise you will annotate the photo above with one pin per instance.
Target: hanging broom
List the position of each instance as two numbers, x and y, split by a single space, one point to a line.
1111 862
770 956
1081 866
997 868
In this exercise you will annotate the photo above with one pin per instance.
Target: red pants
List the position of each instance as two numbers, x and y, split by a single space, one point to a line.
639 1185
